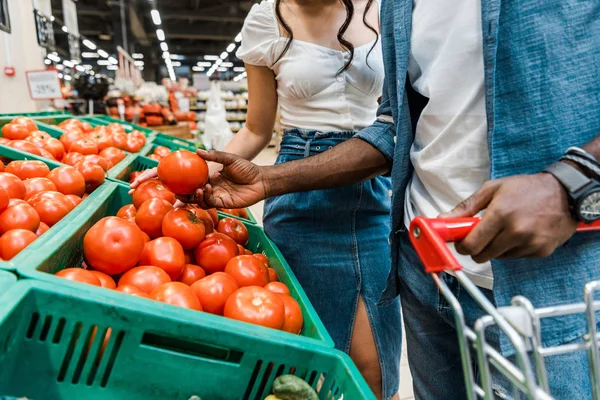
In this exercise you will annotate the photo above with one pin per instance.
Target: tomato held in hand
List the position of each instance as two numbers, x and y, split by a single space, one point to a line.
215 251
191 273
256 305
165 253
19 216
151 189
68 180
146 277
27 169
127 211
182 172
105 280
214 290
51 211
149 216
248 271
177 294
203 216
79 275
235 229
277 287
36 185
182 225
13 185
113 245
293 315
15 240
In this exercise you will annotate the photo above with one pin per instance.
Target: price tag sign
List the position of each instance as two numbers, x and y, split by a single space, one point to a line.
43 85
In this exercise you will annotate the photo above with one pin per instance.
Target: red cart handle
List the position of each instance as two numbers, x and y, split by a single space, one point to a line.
430 235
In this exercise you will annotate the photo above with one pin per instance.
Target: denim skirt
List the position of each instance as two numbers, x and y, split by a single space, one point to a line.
336 242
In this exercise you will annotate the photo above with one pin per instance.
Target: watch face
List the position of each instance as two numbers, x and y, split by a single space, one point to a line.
589 208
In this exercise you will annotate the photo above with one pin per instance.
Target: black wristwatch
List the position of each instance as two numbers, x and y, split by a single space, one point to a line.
583 192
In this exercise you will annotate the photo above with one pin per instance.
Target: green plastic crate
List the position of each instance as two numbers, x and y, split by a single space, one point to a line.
105 119
51 339
6 280
13 154
36 114
65 250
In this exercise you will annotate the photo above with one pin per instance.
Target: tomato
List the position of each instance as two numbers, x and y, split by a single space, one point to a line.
138 134
127 211
214 290
273 275
257 306
262 258
293 314
191 273
75 200
68 180
182 172
72 158
96 159
147 278
26 122
149 216
55 147
182 225
92 174
231 211
14 187
151 189
241 249
235 229
87 128
44 153
103 140
113 245
19 216
25 146
134 144
154 157
105 280
15 240
14 202
134 175
42 229
56 196
36 185
248 271
113 155
71 123
79 275
1 165
203 216
15 132
120 140
165 253
84 146
51 211
4 140
132 290
277 287
161 151
177 294
27 169
70 137
189 257
242 213
214 215
4 199
36 141
214 252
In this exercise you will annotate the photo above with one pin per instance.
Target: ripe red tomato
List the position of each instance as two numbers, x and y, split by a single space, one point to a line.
84 147
56 196
75 200
70 137
134 175
165 253
146 277
214 290
235 229
191 273
113 155
15 240
161 151
273 275
241 249
72 158
54 147
132 290
293 315
51 211
92 174
154 157
19 216
119 139
79 275
182 225
231 211
4 140
134 144
13 185
15 132
214 215
14 202
87 128
96 159
248 271
182 172
27 169
105 280
1 164
177 294
277 287
215 251
262 258
151 189
68 180
203 216
4 199
26 122
127 211
46 154
149 216
103 140
42 229
256 305
113 245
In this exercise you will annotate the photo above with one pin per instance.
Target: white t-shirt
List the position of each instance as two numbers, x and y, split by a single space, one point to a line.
450 151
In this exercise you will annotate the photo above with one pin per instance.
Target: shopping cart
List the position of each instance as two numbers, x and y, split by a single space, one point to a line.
520 322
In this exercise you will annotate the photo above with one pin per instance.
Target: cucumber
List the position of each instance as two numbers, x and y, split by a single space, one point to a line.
290 387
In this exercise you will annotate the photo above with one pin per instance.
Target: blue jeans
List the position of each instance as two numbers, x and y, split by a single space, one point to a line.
335 241
433 353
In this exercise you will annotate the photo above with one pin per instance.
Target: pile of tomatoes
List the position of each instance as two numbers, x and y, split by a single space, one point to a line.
104 146
184 256
33 198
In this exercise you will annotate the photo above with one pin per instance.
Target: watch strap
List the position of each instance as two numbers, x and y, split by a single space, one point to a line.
584 163
572 180
577 151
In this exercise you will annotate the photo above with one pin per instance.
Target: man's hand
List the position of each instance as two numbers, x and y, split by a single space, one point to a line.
525 216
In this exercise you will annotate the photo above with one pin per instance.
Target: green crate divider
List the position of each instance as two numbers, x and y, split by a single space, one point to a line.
54 347
66 250
35 114
105 119
19 259
6 280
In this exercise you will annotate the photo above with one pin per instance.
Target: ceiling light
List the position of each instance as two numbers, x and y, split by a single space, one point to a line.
60 76
209 73
68 77
160 34
53 57
141 68
227 64
230 47
203 64
219 62
113 60
238 38
92 73
239 69
222 69
176 57
80 68
164 46
52 18
103 53
138 63
60 67
89 44
176 63
224 55
155 17
68 64
166 55
64 29
75 62
137 56
198 69
89 54
211 58
103 62
112 67
47 61
87 66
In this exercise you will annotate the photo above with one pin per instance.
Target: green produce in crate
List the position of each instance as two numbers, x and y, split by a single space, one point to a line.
290 387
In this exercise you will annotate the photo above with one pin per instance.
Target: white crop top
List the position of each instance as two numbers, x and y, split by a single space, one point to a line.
310 94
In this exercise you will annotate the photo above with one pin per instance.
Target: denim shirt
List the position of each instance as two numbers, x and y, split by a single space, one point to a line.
542 88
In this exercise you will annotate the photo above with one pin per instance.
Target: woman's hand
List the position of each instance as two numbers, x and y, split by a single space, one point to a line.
143 177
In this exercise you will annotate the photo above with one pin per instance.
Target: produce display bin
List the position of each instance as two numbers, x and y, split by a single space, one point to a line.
36 114
66 250
54 346
6 280
11 265
105 120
